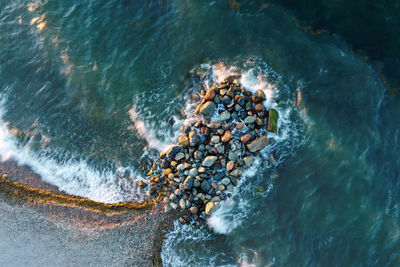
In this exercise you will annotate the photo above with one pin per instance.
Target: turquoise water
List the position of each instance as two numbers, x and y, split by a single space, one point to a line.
98 87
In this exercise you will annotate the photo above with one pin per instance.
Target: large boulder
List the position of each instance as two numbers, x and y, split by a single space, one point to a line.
258 144
206 109
272 120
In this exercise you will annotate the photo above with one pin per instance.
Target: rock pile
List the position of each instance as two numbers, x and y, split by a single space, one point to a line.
211 154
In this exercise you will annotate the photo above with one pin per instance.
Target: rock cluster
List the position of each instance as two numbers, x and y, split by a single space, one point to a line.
211 154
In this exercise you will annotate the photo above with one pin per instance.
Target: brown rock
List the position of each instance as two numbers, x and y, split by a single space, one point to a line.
245 138
183 140
210 94
166 172
258 144
226 137
205 131
230 165
240 125
258 107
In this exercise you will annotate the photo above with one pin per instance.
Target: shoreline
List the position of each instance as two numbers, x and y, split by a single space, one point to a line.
147 221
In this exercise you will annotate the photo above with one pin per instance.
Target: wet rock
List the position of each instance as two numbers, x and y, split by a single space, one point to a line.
226 100
224 116
210 208
180 167
188 183
196 183
209 161
259 121
193 172
248 161
198 155
167 208
194 210
240 125
245 138
142 184
258 144
174 206
232 155
205 186
215 139
225 181
272 121
166 172
201 170
193 138
185 129
207 109
218 176
260 94
182 204
226 137
210 94
205 131
230 165
183 140
202 147
258 107
250 119
220 148
179 156
172 151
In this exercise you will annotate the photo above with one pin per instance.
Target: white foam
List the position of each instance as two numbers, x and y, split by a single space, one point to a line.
74 176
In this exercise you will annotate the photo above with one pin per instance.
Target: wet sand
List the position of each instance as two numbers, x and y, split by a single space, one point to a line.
144 223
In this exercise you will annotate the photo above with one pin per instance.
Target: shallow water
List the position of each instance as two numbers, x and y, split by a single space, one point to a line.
93 86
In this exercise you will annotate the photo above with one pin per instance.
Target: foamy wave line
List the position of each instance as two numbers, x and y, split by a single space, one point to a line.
70 175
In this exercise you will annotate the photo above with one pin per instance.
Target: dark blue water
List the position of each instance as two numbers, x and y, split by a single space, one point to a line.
88 90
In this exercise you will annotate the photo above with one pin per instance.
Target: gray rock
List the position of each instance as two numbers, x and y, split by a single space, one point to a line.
215 199
168 208
219 176
194 210
188 183
215 139
224 116
179 156
178 192
250 119
210 208
180 167
248 161
196 183
209 161
172 197
230 188
220 148
232 155
230 165
225 181
193 138
173 205
207 109
182 204
202 147
198 155
257 144
193 172
238 107
172 151
205 186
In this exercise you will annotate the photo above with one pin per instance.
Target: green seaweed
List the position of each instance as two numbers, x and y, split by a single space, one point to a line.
273 120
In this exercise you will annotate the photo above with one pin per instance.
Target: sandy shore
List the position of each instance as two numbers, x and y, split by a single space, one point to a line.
145 222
